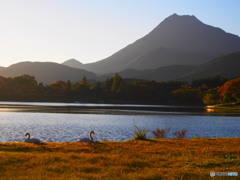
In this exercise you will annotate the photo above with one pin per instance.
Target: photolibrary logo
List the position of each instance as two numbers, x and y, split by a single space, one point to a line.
212 173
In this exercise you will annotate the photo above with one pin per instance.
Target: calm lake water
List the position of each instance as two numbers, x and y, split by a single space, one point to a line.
61 122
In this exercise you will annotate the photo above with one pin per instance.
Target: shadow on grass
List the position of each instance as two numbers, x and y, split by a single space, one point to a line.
23 147
209 165
190 176
89 169
153 177
143 140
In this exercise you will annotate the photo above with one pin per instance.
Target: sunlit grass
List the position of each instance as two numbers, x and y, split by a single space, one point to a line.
133 159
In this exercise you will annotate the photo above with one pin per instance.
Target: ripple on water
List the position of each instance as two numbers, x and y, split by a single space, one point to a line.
57 127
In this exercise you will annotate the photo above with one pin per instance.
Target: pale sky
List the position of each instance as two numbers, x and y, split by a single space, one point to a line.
91 30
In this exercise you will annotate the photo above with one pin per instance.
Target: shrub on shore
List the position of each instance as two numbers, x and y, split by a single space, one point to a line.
140 133
181 134
161 133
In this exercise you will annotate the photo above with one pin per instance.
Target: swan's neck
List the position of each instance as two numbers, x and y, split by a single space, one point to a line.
90 136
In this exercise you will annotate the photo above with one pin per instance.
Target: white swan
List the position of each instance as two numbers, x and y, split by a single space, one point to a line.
32 140
90 139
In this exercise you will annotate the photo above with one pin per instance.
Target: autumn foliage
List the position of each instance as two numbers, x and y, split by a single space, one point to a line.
230 91
214 90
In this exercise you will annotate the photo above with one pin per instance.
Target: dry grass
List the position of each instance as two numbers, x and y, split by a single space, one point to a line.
153 159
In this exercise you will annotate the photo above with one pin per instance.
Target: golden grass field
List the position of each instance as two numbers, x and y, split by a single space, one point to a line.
133 159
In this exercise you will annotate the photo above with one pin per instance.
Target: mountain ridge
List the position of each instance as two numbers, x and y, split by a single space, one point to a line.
226 66
46 72
179 48
179 34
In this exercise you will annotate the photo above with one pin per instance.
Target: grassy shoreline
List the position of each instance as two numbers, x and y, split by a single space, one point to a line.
231 107
152 159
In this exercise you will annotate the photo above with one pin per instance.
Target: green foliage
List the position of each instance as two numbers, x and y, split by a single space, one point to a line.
23 86
140 133
210 82
196 137
212 97
84 81
116 83
186 95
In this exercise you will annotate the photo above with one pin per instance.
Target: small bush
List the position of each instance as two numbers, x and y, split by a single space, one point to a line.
181 134
160 133
140 133
196 137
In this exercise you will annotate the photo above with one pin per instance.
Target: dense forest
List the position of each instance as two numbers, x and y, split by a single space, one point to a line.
212 90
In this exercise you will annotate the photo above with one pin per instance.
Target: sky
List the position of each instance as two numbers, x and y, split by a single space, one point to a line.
91 30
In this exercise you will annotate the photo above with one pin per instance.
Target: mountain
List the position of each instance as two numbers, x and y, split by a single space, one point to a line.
166 73
46 72
74 63
227 66
182 40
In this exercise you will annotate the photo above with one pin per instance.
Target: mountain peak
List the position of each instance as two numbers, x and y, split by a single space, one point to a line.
175 15
188 34
175 26
73 63
178 39
181 19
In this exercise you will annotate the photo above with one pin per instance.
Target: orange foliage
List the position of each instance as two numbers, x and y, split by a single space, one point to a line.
230 91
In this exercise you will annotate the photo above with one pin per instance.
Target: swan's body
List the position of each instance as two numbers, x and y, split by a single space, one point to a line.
90 139
32 140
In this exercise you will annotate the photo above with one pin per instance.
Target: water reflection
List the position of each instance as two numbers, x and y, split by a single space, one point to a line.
127 109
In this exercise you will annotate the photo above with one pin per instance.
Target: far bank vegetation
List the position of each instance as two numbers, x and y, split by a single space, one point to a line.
214 90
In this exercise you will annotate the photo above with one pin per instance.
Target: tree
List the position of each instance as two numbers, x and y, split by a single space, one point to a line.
211 97
6 88
58 88
186 95
82 88
25 85
230 91
84 81
96 89
69 88
210 82
116 82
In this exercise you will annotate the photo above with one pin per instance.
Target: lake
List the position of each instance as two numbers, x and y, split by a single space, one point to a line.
68 122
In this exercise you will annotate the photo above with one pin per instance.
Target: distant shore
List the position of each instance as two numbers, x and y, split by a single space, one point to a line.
224 107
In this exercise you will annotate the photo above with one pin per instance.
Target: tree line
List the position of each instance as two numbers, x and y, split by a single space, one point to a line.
212 90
